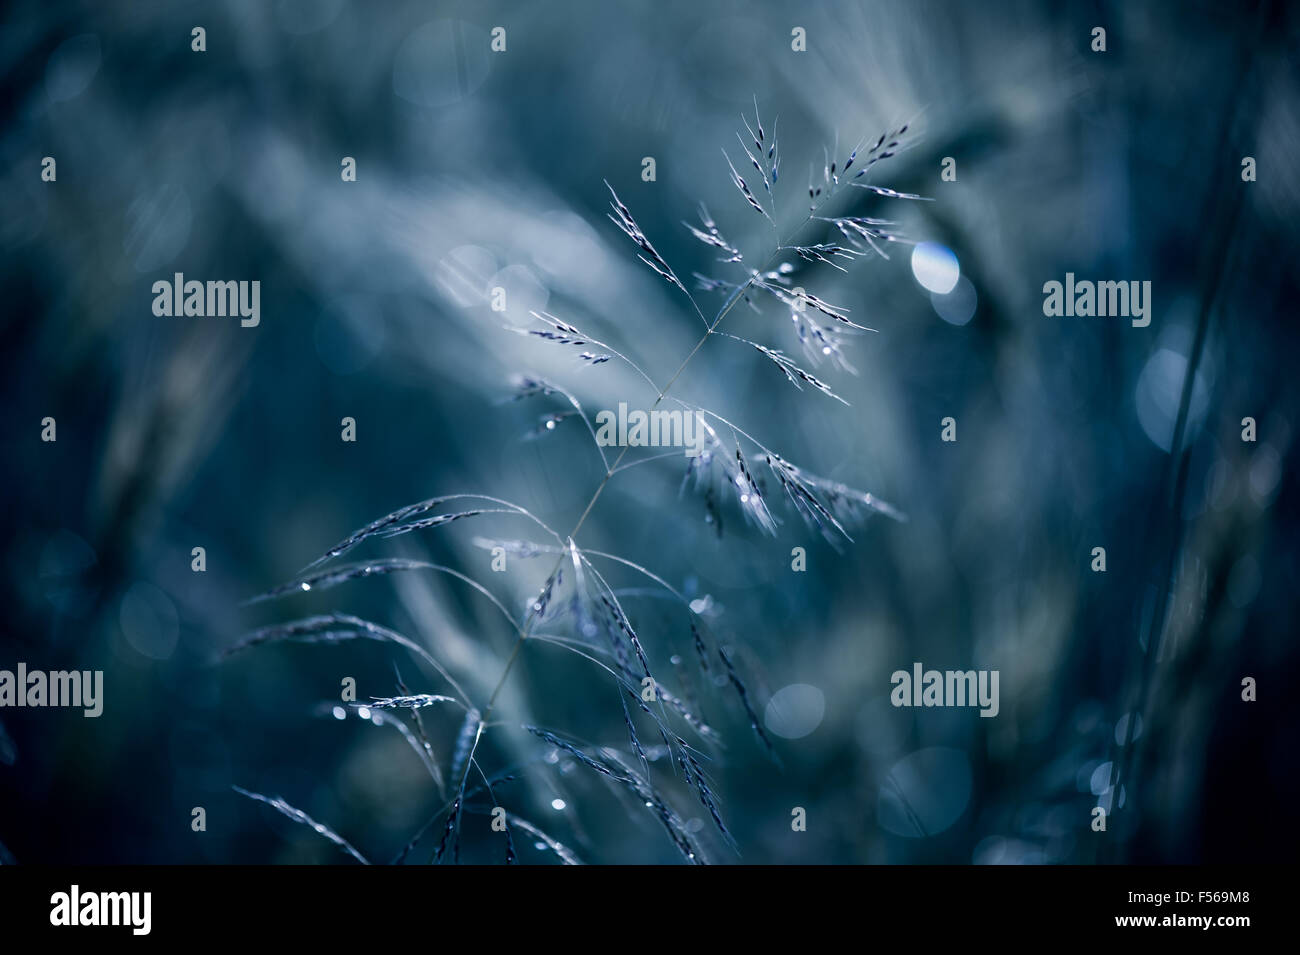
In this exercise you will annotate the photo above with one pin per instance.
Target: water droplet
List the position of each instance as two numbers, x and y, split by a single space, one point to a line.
702 605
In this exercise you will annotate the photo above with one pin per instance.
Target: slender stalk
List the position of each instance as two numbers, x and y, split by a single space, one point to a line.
1225 209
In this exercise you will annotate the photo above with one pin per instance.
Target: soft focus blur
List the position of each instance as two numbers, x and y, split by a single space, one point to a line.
479 170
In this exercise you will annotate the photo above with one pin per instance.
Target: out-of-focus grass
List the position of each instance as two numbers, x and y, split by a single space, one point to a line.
487 172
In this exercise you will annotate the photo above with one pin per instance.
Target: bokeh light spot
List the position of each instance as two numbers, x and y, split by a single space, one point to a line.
795 711
935 267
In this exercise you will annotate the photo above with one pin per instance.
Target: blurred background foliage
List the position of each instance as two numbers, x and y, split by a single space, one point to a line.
478 170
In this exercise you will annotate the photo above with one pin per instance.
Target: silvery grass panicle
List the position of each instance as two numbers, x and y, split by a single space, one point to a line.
576 608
